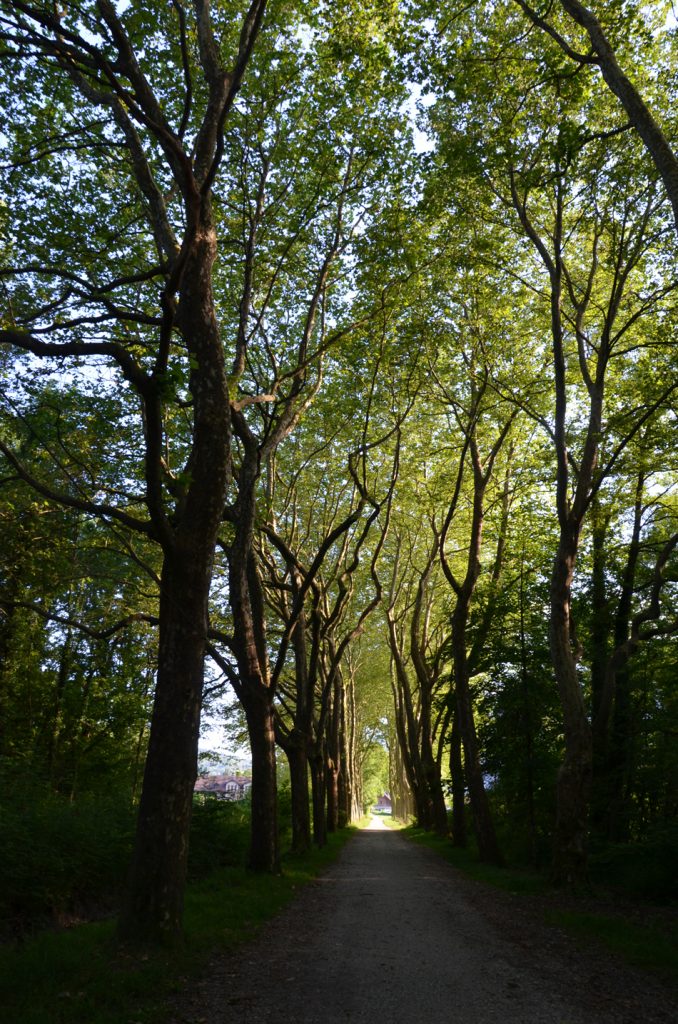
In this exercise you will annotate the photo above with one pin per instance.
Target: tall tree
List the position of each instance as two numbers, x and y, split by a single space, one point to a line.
602 54
468 415
416 643
555 138
314 173
598 346
123 277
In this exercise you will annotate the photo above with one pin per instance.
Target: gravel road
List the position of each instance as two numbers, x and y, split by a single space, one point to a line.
392 933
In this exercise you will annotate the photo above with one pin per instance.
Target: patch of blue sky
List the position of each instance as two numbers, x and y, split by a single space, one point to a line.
415 104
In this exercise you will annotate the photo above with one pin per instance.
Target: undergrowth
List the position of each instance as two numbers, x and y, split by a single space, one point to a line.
513 880
63 861
645 946
78 976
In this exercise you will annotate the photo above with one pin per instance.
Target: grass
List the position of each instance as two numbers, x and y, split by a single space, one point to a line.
78 976
511 880
641 945
391 822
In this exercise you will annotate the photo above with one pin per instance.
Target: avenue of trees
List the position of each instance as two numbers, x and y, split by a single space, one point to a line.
338 349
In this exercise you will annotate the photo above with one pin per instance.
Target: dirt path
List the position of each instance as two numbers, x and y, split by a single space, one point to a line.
391 933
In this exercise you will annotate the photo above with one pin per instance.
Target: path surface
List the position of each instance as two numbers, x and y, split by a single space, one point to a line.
390 934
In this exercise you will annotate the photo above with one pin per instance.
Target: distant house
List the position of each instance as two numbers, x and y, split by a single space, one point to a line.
223 787
383 804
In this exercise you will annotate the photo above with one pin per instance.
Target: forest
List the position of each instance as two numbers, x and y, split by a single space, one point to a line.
338 349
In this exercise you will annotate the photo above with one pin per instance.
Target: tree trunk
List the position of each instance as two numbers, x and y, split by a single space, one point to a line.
7 630
317 766
619 760
79 731
411 764
354 794
600 640
436 797
574 777
254 684
409 728
638 112
333 765
297 757
153 905
459 837
430 767
264 853
332 791
488 846
54 722
402 805
344 781
614 719
527 722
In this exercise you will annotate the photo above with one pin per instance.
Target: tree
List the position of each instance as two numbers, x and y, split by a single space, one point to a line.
631 616
416 646
542 145
604 57
133 293
283 178
469 412
313 175
302 552
598 346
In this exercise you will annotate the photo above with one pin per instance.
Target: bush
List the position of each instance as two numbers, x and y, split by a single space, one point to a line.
220 832
646 868
219 835
61 860
59 857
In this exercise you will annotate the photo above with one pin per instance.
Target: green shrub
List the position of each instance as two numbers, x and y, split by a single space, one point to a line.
58 856
219 836
646 868
62 860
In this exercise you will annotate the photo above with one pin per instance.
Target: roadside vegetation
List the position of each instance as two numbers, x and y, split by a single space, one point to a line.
80 975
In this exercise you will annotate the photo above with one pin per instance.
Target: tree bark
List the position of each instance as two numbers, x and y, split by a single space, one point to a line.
573 787
318 791
459 837
254 689
638 112
616 715
430 769
527 721
264 853
295 738
354 782
488 845
332 790
402 806
410 727
296 751
153 905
